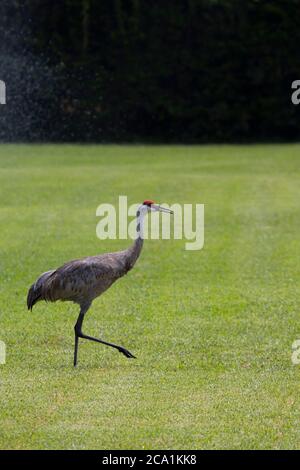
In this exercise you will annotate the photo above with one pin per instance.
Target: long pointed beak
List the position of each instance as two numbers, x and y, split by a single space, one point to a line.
162 209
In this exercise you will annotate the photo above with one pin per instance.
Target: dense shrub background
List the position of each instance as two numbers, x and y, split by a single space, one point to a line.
149 70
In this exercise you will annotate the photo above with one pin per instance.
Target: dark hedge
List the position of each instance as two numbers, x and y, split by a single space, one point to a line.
160 71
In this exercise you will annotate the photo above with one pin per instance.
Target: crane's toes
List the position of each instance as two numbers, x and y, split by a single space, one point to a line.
127 353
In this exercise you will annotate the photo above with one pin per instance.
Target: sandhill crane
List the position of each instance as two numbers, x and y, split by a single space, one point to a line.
82 280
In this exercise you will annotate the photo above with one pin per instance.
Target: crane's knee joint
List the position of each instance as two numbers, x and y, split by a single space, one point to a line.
78 331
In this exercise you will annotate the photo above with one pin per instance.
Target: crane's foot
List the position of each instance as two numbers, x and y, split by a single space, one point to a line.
80 334
126 353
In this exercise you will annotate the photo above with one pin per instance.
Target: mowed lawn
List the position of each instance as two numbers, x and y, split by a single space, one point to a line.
212 329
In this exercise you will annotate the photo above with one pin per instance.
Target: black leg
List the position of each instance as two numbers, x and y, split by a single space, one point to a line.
80 334
76 349
119 348
77 328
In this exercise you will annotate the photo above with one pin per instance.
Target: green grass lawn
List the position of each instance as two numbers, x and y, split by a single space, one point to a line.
212 329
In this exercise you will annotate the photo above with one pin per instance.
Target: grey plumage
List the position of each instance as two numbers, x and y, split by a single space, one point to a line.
82 280
35 291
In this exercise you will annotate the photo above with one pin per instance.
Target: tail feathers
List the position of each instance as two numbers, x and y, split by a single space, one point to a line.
35 291
33 297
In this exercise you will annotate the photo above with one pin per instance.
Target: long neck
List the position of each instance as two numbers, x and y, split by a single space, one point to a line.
135 250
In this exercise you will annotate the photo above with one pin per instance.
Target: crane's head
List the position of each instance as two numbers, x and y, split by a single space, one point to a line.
150 205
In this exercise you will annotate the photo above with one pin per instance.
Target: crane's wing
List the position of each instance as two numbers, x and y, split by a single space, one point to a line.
83 279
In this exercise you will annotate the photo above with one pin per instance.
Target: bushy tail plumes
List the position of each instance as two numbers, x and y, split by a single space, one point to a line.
32 297
35 292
